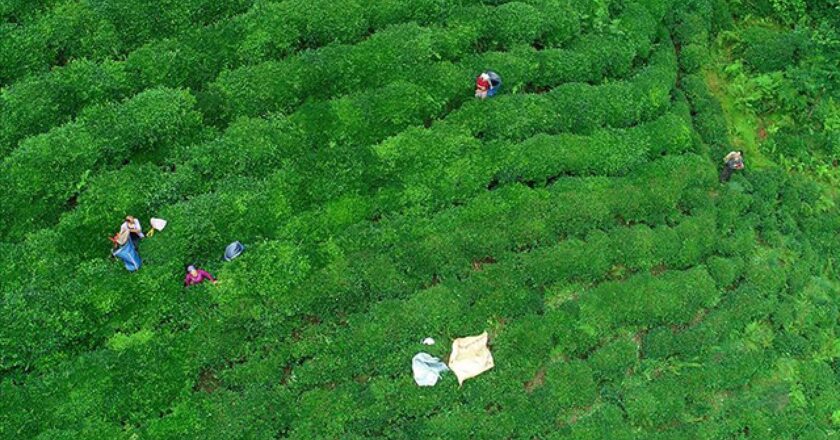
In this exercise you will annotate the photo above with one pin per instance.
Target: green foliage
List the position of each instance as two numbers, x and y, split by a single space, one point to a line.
570 384
647 301
655 404
708 121
613 361
607 152
780 71
48 171
98 30
694 57
724 270
576 217
767 50
34 105
399 52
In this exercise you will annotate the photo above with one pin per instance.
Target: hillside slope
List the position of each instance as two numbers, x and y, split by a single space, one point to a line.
577 217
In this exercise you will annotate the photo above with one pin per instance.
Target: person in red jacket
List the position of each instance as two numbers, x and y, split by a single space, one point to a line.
482 85
197 276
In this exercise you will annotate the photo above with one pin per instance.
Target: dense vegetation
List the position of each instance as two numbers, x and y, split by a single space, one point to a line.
576 216
779 68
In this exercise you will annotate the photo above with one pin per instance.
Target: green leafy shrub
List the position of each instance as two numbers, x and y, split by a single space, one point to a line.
98 30
570 384
606 421
656 404
400 50
724 270
606 152
645 300
768 50
583 107
192 58
708 120
19 11
133 190
693 57
626 293
513 23
34 105
561 20
48 170
611 362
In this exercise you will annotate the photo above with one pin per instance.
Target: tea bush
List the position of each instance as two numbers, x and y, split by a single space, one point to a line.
576 217
192 58
98 30
56 164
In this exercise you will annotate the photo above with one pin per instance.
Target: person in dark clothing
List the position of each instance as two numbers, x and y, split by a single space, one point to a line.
733 161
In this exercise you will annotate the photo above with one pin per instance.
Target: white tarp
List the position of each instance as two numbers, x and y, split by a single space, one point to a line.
158 223
427 369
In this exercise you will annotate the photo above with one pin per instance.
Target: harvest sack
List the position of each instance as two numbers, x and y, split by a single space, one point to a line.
233 250
122 237
426 369
128 254
495 79
726 174
470 357
495 83
158 223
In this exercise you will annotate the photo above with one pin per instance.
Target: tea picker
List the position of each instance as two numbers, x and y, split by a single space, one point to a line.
487 84
125 243
733 161
130 229
197 276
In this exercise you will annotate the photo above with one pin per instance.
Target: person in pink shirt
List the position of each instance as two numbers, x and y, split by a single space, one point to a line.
197 276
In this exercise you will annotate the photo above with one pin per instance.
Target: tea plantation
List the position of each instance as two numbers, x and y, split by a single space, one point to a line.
576 216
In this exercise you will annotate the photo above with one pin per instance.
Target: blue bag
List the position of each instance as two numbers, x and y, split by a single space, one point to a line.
128 254
495 83
233 250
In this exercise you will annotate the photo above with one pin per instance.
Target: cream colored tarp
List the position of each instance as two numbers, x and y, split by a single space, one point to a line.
470 357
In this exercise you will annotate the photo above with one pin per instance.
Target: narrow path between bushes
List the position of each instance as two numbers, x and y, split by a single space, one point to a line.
745 130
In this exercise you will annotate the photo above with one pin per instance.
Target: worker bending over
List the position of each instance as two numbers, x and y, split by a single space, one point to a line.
732 161
197 276
482 85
